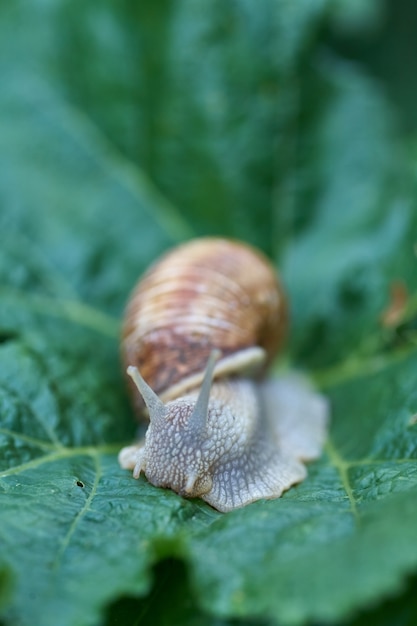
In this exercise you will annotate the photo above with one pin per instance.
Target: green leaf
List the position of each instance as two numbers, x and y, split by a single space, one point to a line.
343 537
200 95
351 232
125 130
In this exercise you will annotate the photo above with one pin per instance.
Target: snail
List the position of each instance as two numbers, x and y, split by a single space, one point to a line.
201 327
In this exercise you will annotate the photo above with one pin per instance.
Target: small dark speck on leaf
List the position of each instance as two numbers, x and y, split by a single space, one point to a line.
80 483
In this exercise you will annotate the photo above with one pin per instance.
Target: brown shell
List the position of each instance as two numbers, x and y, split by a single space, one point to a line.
208 293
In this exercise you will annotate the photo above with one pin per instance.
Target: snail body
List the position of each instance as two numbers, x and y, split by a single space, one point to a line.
201 328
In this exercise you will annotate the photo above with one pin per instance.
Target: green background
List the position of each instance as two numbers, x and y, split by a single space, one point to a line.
126 128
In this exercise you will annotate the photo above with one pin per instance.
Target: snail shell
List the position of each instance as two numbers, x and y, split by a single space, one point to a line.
215 309
207 294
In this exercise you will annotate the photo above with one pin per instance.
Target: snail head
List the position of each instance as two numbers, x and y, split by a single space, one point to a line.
174 454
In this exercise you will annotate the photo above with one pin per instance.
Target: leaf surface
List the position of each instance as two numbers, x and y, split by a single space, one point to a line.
104 165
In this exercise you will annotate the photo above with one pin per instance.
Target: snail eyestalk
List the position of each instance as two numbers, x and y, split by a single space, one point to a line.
154 405
198 418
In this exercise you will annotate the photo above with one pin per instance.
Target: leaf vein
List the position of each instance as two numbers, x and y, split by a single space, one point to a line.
72 310
360 366
67 539
61 453
343 470
28 439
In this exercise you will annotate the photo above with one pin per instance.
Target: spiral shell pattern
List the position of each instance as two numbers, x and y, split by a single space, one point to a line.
205 294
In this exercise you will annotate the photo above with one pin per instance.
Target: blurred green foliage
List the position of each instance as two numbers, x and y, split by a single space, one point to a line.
126 128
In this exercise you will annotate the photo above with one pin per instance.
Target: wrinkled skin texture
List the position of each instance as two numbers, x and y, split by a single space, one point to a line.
253 444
